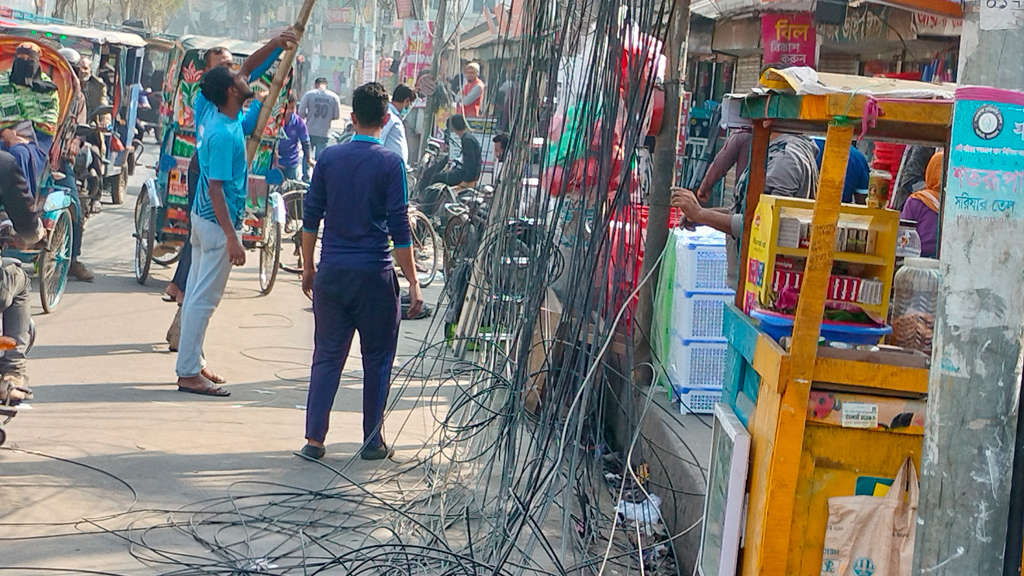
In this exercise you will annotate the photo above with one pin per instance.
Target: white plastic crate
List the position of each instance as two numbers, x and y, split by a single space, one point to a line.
699 316
701 261
698 400
694 364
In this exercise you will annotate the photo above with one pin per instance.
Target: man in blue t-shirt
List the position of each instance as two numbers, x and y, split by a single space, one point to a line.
359 193
296 137
216 219
855 187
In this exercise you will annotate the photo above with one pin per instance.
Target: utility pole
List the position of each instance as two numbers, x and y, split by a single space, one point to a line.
660 198
973 395
427 124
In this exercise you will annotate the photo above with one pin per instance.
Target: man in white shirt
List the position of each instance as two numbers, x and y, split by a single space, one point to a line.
393 134
319 108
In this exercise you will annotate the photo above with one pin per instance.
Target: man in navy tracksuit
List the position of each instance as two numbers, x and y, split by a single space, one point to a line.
359 192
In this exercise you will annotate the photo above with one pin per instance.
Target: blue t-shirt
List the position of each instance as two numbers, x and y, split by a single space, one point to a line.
359 191
288 147
221 148
204 110
857 171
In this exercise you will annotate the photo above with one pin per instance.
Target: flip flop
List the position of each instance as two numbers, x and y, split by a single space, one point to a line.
208 391
169 298
214 377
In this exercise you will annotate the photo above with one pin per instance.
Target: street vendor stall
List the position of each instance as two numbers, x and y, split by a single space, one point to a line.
829 413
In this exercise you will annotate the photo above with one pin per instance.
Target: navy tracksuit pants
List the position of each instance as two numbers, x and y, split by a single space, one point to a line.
346 301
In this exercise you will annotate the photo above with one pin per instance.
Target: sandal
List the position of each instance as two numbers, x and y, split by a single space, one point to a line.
208 391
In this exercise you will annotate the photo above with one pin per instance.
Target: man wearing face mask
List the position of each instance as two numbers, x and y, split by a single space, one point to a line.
216 219
27 94
393 134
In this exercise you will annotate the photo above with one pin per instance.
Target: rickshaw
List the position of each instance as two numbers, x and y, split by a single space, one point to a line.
161 213
123 51
52 256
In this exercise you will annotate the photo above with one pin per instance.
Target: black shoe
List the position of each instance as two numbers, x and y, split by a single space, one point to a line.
379 453
313 452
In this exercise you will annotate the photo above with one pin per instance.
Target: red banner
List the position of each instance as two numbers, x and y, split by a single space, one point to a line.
404 8
788 40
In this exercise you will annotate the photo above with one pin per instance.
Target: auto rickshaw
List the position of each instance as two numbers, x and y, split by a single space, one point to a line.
52 256
123 52
162 212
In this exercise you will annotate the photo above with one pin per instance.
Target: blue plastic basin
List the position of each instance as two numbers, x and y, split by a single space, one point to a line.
779 325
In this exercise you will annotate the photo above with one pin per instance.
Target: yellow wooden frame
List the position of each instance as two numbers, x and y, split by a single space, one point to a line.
781 531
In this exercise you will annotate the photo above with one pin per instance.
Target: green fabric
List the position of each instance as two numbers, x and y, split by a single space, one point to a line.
661 324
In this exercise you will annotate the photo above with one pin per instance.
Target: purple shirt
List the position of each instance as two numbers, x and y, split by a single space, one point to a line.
927 225
288 148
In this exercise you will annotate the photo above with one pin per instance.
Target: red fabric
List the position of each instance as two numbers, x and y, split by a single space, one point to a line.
627 239
888 157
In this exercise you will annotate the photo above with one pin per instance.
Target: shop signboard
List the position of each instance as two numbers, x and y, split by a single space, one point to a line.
985 176
419 49
340 17
788 39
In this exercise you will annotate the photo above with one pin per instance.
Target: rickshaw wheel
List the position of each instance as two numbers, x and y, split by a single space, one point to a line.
169 258
270 254
145 237
54 262
119 187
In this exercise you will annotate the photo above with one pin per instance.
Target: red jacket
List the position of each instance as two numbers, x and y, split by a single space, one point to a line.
472 109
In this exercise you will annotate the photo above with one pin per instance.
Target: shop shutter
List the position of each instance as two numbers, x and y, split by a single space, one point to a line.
748 71
838 63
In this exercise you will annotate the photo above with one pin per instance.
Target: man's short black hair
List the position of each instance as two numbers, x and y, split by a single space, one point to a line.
370 104
458 123
319 81
402 93
501 138
216 83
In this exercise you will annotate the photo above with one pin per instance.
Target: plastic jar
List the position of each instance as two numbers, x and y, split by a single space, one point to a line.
908 241
916 288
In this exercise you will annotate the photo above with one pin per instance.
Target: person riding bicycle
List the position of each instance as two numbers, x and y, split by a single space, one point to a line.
17 199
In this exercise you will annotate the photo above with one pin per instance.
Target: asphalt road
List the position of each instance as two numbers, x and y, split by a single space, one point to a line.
108 435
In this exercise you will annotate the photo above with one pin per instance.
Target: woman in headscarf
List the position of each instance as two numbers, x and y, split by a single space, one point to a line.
923 207
27 94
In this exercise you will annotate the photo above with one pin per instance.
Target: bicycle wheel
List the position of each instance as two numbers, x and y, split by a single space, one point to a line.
54 262
424 247
270 255
455 236
293 229
145 236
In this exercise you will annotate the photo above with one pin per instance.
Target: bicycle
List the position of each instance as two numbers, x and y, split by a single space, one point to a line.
425 242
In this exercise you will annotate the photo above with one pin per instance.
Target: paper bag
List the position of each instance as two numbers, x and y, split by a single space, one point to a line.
873 536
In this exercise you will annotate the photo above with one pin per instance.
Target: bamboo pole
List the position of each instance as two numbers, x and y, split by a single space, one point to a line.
280 76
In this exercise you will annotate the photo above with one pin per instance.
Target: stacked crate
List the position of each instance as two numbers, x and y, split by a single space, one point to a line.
697 347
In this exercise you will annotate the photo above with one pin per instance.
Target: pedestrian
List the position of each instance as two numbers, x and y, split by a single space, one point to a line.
296 137
359 192
319 107
472 96
790 170
393 134
855 186
216 221
254 66
735 152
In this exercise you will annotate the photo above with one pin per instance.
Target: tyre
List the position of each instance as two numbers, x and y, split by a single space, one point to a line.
425 247
455 237
118 186
168 258
3 436
54 262
270 255
145 237
293 228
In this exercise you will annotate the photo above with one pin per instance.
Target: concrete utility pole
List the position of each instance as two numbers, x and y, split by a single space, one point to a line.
973 395
440 42
660 199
